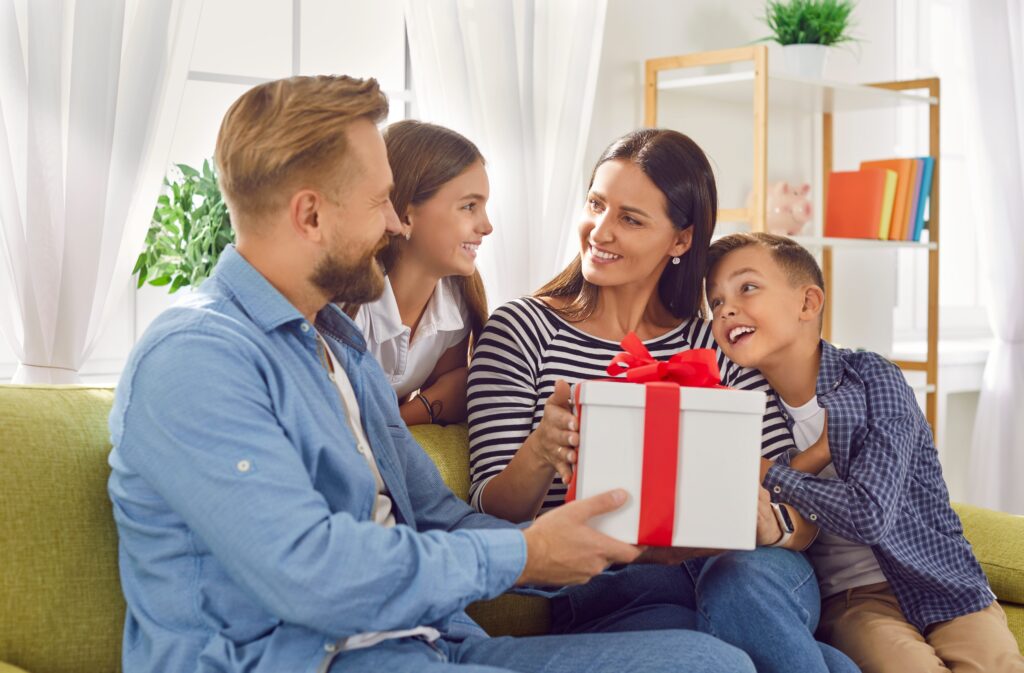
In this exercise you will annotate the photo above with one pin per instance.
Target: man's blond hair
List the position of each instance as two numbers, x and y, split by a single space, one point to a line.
287 134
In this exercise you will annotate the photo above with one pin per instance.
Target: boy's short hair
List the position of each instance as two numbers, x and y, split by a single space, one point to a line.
799 264
281 134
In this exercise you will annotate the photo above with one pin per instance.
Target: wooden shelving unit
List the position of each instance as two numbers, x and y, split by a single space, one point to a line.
767 92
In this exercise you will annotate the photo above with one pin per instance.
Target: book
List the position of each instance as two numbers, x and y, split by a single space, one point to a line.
925 193
904 182
856 202
908 229
885 221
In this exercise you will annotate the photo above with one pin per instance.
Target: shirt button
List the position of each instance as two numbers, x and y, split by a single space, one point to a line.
331 647
813 517
777 489
304 327
244 466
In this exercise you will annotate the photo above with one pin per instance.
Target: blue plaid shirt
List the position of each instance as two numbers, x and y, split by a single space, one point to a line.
889 493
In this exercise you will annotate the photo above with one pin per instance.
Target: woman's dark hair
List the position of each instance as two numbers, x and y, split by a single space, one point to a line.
679 168
423 158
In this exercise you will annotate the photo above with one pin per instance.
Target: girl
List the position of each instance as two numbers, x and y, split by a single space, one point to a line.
433 306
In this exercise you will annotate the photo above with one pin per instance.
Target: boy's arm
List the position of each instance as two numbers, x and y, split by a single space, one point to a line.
863 506
812 461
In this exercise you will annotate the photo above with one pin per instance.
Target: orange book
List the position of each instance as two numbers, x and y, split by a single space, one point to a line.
855 203
904 185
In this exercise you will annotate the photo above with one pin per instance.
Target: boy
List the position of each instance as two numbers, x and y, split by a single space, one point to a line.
900 586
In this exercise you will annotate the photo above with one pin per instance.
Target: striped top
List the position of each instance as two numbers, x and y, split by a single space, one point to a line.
525 347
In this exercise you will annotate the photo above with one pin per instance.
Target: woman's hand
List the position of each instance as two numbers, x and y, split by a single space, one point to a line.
556 438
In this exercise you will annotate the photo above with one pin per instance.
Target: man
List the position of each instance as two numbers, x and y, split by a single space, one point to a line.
274 513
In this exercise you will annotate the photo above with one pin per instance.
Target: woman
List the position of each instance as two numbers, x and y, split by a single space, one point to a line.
433 302
644 233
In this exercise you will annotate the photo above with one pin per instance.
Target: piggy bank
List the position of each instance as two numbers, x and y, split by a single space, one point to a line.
788 207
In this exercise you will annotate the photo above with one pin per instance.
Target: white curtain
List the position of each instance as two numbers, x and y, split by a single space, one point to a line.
995 35
517 77
89 95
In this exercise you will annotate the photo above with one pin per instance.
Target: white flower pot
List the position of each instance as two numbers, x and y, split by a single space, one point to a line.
805 60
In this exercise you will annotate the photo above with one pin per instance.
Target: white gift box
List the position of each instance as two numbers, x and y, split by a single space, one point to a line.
717 465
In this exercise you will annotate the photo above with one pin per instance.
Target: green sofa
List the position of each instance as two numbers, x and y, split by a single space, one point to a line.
61 609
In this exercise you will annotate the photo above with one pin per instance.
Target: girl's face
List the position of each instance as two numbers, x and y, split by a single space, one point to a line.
447 229
626 235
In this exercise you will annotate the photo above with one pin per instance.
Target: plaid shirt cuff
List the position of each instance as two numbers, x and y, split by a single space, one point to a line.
783 482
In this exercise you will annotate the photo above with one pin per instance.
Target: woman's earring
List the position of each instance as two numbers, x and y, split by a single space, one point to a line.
676 260
408 233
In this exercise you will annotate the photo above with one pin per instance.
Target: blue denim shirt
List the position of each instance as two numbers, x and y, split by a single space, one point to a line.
244 508
889 493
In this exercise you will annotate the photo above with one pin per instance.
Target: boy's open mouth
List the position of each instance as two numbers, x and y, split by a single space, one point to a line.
740 333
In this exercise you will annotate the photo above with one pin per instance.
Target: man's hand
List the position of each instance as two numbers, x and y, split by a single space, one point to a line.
562 549
768 531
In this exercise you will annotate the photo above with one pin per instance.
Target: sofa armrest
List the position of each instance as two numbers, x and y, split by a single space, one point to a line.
998 541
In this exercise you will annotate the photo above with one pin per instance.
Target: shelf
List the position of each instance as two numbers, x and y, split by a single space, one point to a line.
852 243
796 93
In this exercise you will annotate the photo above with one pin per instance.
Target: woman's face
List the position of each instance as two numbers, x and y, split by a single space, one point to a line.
626 235
447 229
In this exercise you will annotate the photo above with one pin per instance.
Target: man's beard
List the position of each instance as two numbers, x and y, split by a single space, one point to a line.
357 284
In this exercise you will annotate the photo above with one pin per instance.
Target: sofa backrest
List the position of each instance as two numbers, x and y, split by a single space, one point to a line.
61 607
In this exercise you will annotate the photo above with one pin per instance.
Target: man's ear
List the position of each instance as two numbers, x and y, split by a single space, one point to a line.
684 239
814 303
303 215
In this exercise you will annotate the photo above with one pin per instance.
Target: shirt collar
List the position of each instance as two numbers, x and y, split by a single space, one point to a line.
830 369
384 316
264 304
442 313
268 308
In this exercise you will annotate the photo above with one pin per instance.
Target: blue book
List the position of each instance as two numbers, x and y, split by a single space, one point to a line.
922 199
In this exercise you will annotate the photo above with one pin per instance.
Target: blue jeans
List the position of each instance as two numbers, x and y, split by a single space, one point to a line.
654 651
765 602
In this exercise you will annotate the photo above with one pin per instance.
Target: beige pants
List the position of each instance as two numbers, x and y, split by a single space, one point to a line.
867 624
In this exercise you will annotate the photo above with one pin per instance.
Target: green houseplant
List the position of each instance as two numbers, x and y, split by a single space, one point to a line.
190 228
806 29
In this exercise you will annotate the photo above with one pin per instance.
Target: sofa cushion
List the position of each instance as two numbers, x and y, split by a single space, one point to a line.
998 541
61 608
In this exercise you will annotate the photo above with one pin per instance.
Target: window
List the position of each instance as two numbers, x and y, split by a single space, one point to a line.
930 43
237 47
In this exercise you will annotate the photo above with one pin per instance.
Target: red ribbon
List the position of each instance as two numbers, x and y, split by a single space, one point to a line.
695 368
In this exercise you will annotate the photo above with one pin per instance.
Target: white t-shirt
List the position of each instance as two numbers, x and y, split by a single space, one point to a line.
382 507
838 563
407 364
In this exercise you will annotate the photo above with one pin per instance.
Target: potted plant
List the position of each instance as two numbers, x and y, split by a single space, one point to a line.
806 29
190 228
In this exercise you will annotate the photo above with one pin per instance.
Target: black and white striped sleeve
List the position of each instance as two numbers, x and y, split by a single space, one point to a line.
501 395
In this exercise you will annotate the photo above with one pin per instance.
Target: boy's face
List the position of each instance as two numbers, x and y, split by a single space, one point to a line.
758 313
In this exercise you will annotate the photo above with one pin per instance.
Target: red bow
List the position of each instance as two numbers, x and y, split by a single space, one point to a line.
697 367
